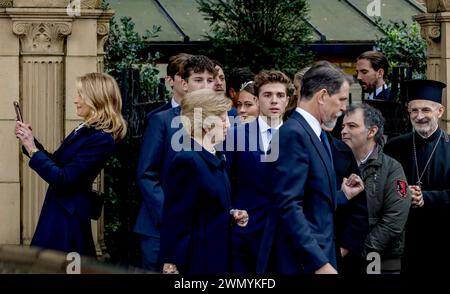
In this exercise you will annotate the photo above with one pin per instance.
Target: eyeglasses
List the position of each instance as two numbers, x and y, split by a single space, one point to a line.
424 111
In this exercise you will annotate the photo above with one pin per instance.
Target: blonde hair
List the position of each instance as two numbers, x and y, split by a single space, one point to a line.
99 91
211 104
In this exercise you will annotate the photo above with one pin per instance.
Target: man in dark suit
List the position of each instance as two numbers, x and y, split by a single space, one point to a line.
249 172
299 235
220 85
173 78
371 68
157 152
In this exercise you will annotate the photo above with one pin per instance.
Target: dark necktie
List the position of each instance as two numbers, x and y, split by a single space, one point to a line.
326 144
269 135
270 132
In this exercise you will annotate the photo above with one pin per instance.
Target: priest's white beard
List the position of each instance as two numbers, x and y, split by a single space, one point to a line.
428 129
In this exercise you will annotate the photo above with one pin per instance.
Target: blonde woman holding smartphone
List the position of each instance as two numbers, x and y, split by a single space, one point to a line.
65 220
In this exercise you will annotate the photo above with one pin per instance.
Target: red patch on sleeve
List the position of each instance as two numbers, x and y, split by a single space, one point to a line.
401 188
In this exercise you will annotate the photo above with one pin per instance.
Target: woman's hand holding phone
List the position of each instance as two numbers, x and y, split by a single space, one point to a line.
19 116
25 135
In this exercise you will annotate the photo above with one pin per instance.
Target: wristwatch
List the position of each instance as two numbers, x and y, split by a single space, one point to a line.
33 151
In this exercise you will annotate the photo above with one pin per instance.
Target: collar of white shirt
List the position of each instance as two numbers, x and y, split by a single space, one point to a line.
377 91
263 127
311 120
174 103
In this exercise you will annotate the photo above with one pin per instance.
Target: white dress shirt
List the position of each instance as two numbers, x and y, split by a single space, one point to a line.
263 127
174 103
377 91
311 120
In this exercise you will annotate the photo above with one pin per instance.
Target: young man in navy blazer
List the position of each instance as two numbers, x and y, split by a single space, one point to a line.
299 235
249 171
173 78
157 152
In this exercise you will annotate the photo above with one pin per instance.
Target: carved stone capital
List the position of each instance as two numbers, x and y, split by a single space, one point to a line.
102 35
431 32
432 35
6 3
102 28
45 38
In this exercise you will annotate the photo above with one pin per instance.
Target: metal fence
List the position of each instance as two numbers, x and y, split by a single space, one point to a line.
122 196
395 111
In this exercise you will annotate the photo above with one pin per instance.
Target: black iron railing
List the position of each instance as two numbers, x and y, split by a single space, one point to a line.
123 197
395 110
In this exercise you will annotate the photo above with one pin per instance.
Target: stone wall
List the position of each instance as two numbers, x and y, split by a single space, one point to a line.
43 48
435 29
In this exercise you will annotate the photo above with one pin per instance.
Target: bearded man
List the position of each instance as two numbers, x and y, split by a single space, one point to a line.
425 157
299 234
371 69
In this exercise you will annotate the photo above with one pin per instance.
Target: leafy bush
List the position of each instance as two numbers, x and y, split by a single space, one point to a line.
260 34
124 51
403 46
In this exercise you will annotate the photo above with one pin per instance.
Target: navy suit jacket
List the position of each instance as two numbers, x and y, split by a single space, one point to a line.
163 107
195 233
299 235
65 222
251 191
156 155
233 112
248 175
385 95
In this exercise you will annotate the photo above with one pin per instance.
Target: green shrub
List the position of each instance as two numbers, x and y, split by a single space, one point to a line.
260 34
403 46
125 50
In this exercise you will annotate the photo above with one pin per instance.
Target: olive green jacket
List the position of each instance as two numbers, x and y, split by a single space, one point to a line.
388 203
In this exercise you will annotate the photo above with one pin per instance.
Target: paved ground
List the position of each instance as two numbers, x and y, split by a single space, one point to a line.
24 259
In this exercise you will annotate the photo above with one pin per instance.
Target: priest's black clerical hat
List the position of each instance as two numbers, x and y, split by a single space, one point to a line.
424 90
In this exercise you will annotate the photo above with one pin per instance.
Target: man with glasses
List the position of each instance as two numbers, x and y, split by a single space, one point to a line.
425 156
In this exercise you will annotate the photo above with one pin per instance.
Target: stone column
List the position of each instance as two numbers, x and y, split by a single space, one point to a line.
9 149
435 29
102 35
43 48
42 90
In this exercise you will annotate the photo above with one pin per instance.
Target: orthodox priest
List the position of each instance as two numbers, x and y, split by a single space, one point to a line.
425 157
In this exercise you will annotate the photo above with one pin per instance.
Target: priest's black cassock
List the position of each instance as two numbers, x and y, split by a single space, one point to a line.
427 244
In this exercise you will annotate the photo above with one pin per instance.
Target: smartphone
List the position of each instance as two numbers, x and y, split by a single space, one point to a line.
19 116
